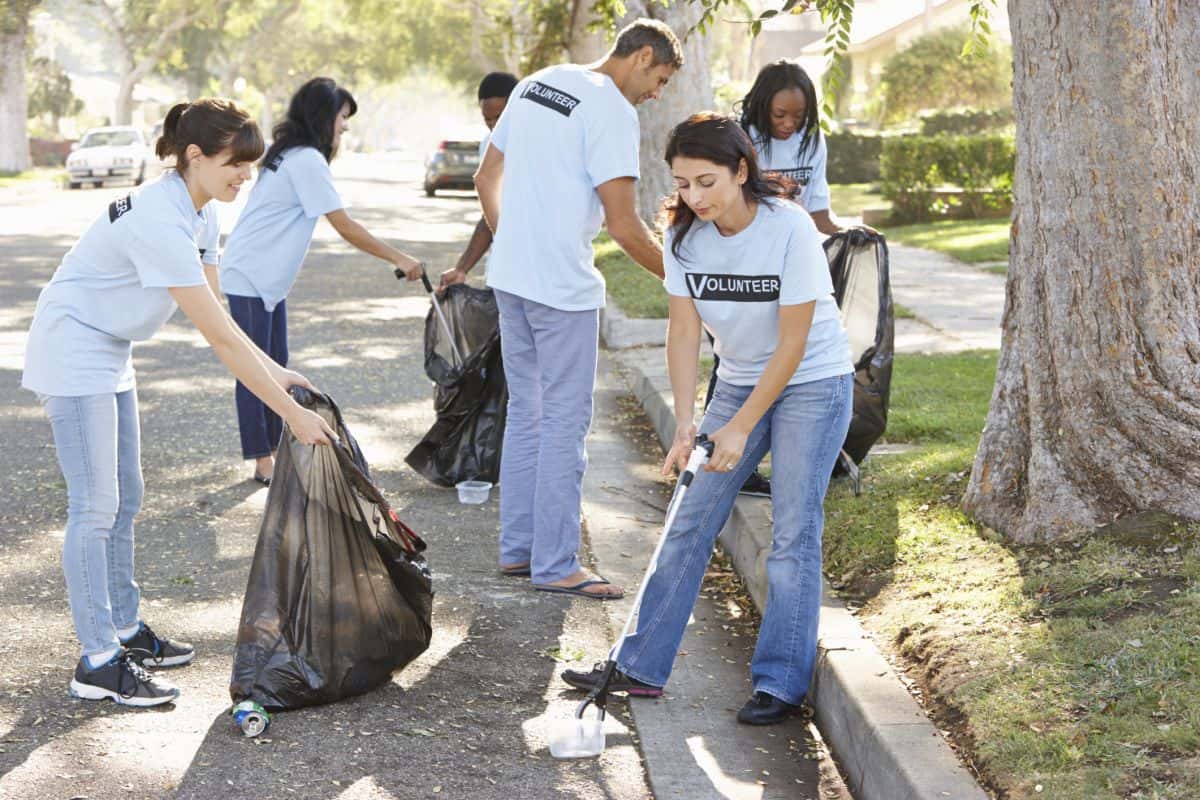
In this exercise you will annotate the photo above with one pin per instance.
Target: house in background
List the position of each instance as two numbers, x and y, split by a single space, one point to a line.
880 29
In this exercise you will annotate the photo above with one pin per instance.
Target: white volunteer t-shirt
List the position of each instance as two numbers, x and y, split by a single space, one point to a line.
739 282
266 248
565 131
111 289
797 160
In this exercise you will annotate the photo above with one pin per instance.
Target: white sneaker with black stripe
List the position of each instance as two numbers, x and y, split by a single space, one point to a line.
123 680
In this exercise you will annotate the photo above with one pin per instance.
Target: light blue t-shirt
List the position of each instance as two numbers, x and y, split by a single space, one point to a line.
739 282
565 131
266 248
111 289
799 161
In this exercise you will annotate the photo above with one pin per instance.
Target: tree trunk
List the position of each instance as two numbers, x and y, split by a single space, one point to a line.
689 91
586 46
14 136
1096 410
123 109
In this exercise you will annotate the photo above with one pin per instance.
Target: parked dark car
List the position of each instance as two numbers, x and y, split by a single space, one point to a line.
452 166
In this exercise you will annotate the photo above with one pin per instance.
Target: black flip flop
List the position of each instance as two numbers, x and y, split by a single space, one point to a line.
522 571
578 590
260 478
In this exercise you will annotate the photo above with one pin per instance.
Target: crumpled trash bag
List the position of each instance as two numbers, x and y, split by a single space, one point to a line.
339 595
470 398
858 263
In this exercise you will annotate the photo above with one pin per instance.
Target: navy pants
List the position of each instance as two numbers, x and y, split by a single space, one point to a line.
259 426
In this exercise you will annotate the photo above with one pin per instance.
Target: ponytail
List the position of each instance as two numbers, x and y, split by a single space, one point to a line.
212 124
165 146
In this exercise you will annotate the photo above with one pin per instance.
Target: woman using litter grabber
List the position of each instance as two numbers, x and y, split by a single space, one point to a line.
750 267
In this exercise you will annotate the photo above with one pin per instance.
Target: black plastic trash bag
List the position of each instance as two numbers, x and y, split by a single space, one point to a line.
339 595
858 262
471 397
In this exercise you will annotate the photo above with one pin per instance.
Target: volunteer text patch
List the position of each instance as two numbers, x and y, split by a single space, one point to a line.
735 288
119 208
550 97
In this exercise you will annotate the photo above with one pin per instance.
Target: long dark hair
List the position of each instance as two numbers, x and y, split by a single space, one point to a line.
755 108
719 139
310 118
212 124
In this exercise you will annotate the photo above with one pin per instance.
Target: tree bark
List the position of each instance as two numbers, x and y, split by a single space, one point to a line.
586 46
1096 409
14 135
689 91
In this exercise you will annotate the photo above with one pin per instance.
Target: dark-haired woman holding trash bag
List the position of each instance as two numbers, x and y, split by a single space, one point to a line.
268 243
147 254
748 266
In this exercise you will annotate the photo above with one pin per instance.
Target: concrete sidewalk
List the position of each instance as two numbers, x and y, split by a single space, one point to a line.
958 306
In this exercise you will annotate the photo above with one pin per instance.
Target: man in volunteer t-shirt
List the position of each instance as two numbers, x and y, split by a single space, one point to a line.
562 160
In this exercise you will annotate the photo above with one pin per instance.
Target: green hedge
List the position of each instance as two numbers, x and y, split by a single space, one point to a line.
917 171
853 157
966 121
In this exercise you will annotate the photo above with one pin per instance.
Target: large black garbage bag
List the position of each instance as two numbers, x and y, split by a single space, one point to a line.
339 595
471 397
858 262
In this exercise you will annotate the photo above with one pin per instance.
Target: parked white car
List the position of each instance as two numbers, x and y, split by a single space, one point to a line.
117 153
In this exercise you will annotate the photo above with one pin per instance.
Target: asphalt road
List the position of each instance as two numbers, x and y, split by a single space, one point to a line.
466 720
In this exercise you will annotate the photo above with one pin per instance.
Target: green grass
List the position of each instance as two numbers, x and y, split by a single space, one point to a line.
8 179
637 292
970 240
1075 668
849 199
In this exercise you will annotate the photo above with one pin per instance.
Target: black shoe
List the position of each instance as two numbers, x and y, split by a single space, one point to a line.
765 709
122 680
150 649
620 682
756 486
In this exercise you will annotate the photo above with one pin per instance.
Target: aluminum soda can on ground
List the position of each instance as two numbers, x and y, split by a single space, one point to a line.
252 718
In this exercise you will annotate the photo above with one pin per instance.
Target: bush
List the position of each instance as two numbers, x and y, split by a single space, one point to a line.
917 171
966 121
853 157
931 74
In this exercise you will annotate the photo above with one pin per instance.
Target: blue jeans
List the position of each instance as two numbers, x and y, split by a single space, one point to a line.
803 431
99 449
259 426
550 363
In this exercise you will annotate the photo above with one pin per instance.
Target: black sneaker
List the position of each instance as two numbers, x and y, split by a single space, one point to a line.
620 682
756 486
150 649
765 709
122 680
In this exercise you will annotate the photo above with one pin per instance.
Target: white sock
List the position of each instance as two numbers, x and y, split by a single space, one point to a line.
100 659
125 634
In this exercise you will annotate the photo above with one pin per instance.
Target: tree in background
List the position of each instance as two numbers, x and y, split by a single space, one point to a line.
50 94
931 73
14 133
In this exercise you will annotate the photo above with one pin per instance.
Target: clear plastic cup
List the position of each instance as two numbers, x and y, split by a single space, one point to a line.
473 492
576 738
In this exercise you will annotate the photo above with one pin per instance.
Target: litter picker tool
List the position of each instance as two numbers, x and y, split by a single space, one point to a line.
458 359
582 737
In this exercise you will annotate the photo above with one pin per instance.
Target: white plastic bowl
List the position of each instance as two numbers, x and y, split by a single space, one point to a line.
473 492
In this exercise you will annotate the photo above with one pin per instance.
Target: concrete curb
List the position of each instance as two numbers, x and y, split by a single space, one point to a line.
620 332
887 747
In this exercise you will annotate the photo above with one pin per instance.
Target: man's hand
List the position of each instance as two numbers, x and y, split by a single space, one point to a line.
451 276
